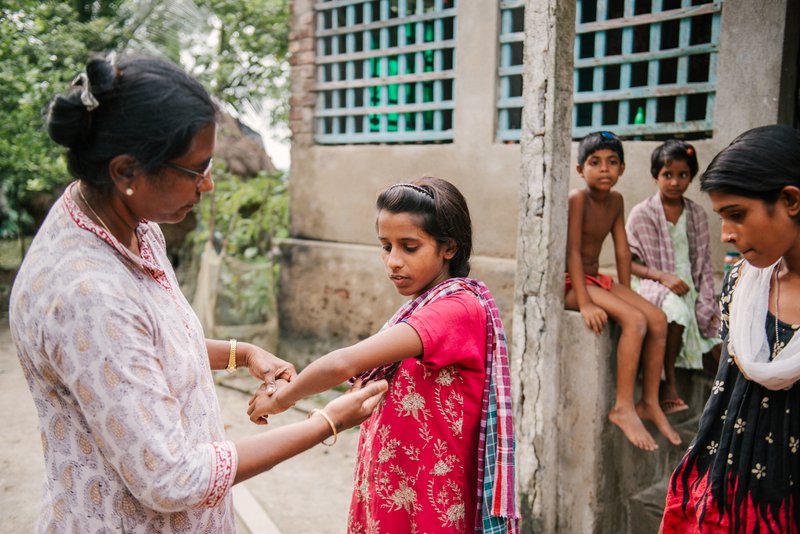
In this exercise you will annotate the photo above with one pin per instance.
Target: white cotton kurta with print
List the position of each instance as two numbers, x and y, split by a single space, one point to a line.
118 368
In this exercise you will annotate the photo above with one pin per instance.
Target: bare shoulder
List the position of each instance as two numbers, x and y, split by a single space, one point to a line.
576 197
616 200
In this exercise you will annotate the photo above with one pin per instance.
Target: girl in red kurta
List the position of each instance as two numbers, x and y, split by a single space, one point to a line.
438 454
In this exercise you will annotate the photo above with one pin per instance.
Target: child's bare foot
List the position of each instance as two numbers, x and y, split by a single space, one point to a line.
631 425
654 414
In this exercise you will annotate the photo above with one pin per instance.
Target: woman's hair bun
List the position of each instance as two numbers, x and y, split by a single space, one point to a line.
68 119
101 74
144 107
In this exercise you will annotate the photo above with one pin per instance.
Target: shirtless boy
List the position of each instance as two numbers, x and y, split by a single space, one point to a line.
594 212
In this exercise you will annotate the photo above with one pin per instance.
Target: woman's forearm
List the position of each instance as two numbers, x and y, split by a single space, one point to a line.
219 353
263 451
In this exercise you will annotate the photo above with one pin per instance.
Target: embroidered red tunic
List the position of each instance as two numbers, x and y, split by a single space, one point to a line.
417 457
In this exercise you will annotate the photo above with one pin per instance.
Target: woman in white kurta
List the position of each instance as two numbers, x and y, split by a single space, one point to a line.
113 354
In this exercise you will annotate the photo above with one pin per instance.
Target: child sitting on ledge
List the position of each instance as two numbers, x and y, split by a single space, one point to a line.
594 212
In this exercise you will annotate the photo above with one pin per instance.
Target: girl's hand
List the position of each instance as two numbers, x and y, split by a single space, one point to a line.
267 367
356 405
264 402
675 284
595 317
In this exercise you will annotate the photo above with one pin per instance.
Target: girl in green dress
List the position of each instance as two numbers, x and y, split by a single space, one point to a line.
668 236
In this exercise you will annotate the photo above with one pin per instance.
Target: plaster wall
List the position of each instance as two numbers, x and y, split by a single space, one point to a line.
333 188
752 65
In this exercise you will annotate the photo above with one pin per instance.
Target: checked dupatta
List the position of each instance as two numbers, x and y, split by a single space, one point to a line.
650 242
497 512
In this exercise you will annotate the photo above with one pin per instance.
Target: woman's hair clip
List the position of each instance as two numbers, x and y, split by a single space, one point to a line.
415 188
87 98
608 135
689 151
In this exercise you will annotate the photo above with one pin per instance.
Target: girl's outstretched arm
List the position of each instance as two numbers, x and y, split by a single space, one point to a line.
394 344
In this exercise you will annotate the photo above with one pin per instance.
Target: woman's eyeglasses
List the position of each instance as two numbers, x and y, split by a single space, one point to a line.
198 176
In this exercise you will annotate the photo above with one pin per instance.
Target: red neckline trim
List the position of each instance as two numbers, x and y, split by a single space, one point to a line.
146 262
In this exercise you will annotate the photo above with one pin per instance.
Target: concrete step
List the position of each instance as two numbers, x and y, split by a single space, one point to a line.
646 508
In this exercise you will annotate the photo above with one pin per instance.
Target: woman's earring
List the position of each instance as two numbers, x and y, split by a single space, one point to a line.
129 192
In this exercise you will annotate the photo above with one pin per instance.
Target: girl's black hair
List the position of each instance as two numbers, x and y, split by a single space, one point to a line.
673 150
147 108
598 141
757 164
443 214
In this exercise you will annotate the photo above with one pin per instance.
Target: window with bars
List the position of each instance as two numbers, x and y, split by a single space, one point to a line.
385 71
646 67
643 68
509 102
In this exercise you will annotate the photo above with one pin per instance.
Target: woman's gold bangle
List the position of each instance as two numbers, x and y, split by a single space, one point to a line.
232 357
330 422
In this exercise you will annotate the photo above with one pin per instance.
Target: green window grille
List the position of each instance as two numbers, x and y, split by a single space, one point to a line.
509 102
643 68
385 71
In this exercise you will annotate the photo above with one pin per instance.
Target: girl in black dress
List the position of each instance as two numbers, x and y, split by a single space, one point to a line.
740 473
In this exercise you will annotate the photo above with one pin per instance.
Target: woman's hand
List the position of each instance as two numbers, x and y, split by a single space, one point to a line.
264 402
594 316
356 405
675 284
267 367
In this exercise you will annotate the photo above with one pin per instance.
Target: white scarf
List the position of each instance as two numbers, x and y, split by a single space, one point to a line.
747 339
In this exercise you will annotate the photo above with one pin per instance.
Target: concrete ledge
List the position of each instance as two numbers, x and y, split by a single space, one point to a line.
605 483
586 476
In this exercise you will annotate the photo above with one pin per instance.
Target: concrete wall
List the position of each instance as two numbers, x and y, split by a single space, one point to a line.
333 188
588 481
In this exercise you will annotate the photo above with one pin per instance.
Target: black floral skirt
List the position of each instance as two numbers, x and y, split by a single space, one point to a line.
740 473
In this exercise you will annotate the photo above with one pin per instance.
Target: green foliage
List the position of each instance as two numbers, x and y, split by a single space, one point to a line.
43 46
238 47
246 216
251 58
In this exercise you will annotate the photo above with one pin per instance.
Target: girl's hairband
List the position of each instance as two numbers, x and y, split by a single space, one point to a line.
415 188
87 98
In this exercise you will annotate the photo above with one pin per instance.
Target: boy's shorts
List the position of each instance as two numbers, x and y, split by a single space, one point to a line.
600 280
